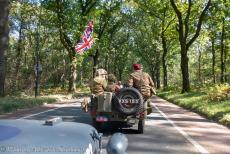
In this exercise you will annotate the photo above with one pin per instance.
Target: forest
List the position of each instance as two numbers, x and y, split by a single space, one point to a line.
183 44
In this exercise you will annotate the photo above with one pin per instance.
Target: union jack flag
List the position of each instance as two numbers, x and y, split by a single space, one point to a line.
86 39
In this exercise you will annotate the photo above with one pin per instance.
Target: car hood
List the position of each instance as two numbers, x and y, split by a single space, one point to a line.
31 136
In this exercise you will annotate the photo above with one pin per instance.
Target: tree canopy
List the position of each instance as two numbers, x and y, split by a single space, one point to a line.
179 43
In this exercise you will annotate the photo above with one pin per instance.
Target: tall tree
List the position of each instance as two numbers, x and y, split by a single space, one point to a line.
21 25
86 7
105 19
223 49
185 42
161 12
4 38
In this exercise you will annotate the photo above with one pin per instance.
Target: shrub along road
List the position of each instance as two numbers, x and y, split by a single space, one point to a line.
169 129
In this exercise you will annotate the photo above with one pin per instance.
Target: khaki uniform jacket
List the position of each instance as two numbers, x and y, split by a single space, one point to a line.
98 85
143 82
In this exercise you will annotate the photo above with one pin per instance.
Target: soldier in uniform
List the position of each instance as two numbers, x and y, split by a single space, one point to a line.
118 86
99 83
97 87
111 83
144 83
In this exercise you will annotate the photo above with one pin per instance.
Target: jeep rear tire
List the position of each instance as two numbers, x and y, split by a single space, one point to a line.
135 101
141 126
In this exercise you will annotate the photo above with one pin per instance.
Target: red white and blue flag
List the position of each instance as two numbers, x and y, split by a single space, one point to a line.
86 39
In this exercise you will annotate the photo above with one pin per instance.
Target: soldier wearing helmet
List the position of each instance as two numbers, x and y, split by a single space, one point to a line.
99 83
111 83
143 82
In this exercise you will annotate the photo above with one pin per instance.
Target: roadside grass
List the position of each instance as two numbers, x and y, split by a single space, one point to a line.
63 94
9 103
201 103
47 95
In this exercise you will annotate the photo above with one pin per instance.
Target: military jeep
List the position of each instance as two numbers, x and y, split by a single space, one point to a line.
124 109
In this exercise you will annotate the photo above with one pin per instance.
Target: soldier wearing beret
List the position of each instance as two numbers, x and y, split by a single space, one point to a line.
143 82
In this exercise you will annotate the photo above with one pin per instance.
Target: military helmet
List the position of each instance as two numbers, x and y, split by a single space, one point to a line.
101 73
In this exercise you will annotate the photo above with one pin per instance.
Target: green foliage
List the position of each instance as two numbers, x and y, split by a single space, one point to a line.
125 32
219 93
226 120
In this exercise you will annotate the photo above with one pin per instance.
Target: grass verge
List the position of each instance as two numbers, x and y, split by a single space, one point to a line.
9 104
200 103
48 95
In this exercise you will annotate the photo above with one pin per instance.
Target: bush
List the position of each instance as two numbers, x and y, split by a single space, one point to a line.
219 93
226 120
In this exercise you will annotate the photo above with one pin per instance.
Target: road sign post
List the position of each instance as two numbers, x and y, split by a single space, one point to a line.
38 70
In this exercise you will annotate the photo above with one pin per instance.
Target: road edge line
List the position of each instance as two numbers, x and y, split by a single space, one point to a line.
199 147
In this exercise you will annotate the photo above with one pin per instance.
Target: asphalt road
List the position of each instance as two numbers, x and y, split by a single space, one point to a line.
169 129
160 136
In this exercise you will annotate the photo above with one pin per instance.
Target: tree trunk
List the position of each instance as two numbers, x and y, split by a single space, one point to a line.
4 40
213 61
18 59
222 67
184 69
72 75
164 65
199 68
158 81
152 71
225 61
81 76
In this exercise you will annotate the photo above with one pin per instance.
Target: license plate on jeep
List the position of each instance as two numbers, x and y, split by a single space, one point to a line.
101 119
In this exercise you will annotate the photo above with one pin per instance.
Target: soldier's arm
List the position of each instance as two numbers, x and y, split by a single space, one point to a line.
130 81
151 83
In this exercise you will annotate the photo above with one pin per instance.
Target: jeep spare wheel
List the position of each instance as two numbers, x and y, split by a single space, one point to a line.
128 101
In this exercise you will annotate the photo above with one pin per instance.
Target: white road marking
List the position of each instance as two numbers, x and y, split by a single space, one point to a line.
31 115
200 148
57 106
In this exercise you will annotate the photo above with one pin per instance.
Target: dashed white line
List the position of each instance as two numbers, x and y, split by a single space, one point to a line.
200 148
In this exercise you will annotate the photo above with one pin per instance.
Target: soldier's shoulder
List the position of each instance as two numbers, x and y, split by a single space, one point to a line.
137 72
132 73
146 74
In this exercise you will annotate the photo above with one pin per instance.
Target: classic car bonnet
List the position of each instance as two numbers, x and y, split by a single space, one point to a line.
32 136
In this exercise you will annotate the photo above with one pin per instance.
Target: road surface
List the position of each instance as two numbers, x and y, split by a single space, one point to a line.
169 129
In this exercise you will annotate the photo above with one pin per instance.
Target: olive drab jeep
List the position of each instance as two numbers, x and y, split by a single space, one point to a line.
125 108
